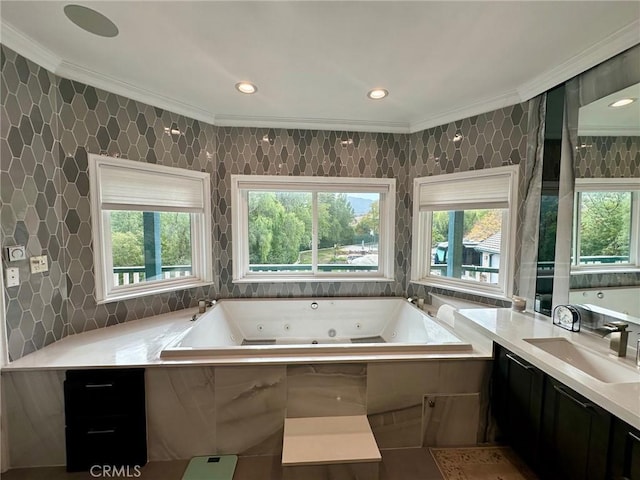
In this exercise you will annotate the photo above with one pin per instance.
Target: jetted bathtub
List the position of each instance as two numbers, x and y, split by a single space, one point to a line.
314 327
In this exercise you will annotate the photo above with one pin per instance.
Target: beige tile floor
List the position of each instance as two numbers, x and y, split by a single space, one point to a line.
400 464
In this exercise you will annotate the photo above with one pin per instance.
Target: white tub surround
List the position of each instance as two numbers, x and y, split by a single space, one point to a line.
318 327
512 330
139 343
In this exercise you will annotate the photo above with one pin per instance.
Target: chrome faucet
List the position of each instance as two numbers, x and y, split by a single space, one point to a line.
204 304
619 336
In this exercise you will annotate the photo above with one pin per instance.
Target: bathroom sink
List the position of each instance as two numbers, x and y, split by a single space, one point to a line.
593 364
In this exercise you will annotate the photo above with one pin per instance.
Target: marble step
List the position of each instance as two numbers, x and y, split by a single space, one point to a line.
344 446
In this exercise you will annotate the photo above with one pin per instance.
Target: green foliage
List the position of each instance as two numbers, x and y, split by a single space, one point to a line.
370 222
175 238
128 238
280 225
335 218
127 249
605 219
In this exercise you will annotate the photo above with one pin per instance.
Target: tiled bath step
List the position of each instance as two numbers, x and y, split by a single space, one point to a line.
345 446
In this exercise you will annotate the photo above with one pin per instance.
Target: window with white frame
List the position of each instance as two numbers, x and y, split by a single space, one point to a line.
320 228
464 231
151 228
606 224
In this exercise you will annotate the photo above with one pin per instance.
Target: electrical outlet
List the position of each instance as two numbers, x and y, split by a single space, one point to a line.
12 275
39 264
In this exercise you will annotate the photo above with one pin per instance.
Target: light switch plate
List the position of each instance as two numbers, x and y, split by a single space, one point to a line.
12 275
39 264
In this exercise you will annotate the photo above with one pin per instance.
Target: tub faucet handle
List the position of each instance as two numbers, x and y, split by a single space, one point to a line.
204 304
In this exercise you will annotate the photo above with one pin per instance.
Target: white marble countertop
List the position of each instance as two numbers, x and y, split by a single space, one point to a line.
509 329
138 343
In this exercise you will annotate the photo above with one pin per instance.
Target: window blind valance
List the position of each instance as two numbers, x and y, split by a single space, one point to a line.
471 190
129 185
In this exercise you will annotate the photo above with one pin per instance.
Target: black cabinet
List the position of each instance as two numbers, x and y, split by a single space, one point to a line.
105 418
624 454
575 435
517 402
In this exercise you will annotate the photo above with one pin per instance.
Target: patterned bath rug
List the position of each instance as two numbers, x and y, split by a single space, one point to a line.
480 463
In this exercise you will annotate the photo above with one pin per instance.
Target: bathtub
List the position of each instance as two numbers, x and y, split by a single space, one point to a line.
314 327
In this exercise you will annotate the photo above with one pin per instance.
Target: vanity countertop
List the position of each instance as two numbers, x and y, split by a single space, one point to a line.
509 329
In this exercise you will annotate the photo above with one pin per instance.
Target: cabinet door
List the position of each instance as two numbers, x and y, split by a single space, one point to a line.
517 402
624 457
575 435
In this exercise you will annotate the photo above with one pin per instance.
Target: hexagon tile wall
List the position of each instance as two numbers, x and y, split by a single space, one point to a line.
50 124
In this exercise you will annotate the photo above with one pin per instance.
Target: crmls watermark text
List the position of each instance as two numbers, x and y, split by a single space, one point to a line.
115 471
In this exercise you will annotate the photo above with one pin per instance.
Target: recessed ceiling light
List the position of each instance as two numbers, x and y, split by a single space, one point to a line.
246 87
377 93
91 21
622 102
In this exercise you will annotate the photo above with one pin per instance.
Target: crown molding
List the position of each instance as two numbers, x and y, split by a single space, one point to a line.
27 47
34 51
614 44
312 124
608 131
466 111
129 90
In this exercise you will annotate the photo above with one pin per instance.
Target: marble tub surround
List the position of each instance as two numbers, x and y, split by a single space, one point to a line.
132 344
139 343
451 420
33 417
323 390
181 412
250 405
396 392
509 329
200 410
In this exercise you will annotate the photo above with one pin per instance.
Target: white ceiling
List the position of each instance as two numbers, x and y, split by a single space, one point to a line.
598 118
313 62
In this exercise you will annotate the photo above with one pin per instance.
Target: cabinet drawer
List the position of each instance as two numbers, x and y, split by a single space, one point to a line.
112 440
103 392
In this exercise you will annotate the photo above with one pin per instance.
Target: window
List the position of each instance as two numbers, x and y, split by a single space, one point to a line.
606 225
152 228
320 228
464 230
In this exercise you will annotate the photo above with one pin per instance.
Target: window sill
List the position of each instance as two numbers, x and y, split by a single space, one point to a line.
309 278
609 270
156 290
468 289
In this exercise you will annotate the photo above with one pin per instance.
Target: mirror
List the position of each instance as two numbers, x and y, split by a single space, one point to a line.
606 218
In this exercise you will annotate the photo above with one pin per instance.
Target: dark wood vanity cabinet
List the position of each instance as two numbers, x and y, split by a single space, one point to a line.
517 402
558 432
624 453
105 418
575 435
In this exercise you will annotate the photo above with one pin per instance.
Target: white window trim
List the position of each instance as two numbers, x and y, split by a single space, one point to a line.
421 234
608 185
201 268
240 184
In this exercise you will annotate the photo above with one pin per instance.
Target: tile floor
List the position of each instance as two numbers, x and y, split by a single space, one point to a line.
398 464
